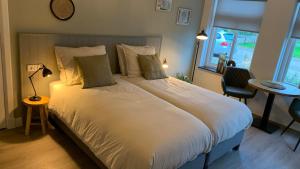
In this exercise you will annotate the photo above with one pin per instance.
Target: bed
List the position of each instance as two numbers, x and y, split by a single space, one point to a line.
192 146
38 48
128 128
225 117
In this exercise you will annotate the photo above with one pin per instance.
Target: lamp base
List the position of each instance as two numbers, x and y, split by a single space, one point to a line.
35 98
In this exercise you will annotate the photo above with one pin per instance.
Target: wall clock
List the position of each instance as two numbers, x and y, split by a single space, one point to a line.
62 9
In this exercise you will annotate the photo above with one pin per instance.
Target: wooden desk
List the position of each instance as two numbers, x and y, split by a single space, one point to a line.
263 123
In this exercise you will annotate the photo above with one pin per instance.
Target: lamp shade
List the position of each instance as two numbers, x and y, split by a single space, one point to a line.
46 72
202 35
165 64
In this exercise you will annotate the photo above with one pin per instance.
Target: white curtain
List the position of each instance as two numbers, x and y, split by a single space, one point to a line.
2 109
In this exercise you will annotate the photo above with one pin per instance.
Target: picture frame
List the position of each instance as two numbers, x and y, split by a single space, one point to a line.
164 5
184 16
62 9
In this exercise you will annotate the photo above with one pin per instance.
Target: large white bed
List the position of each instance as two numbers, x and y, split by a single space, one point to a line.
129 128
125 126
225 117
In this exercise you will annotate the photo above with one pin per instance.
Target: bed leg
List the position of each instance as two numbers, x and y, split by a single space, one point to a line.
236 148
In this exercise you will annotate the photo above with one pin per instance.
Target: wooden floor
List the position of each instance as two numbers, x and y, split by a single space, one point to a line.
55 151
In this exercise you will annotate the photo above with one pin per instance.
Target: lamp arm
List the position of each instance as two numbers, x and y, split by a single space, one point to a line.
35 72
30 79
32 85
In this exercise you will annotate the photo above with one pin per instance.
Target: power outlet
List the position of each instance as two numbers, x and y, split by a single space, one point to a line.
33 67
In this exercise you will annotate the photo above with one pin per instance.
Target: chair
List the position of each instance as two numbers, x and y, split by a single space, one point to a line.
294 111
235 83
231 63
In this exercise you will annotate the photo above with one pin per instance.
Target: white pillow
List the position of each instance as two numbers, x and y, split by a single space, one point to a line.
122 62
131 58
65 61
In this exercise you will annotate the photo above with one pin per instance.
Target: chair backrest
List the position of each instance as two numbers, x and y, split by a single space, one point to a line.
237 77
231 63
294 109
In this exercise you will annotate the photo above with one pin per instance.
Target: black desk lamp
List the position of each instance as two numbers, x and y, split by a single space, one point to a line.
46 73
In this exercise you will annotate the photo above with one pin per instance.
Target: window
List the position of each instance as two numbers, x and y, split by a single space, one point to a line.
289 63
292 75
233 45
233 33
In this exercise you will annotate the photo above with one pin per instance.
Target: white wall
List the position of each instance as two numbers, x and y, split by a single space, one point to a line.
274 28
111 17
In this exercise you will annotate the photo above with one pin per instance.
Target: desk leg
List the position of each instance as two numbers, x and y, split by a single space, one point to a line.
263 123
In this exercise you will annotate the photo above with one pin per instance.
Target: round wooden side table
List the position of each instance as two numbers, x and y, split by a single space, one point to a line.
42 106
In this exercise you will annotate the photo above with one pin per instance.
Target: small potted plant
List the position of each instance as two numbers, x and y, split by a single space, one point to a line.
183 77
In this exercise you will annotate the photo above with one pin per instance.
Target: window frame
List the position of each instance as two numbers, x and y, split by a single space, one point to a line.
286 59
287 51
285 63
211 44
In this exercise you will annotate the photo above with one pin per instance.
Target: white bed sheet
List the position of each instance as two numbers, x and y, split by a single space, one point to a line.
129 128
224 116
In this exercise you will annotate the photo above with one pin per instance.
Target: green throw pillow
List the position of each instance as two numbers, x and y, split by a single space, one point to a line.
151 67
95 71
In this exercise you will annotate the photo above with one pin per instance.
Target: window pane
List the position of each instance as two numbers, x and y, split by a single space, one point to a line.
222 45
293 72
235 45
244 48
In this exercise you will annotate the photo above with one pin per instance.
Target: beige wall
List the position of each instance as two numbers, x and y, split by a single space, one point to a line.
209 80
112 17
274 28
115 17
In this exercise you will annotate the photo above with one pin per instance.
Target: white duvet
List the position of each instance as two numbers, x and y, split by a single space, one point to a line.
129 128
224 116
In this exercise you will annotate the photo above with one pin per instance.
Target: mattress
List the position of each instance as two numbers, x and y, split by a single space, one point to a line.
129 128
224 116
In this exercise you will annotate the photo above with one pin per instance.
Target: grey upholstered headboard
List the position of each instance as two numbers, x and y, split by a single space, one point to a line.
39 48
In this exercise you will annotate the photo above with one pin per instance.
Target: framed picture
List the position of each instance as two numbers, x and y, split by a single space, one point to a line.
184 16
164 5
62 9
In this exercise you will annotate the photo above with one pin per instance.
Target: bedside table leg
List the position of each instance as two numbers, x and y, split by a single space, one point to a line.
46 115
28 120
42 116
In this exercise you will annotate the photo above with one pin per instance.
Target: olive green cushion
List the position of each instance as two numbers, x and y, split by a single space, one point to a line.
95 71
151 67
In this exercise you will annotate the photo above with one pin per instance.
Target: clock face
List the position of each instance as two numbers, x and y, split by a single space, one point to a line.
62 9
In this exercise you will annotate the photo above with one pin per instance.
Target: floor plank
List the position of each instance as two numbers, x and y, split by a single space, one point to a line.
55 151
